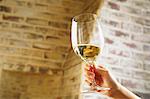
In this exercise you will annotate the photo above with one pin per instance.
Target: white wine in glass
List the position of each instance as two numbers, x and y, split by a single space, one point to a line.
87 40
87 52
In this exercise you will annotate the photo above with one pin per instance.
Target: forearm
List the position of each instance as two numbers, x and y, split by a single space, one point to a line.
122 93
117 91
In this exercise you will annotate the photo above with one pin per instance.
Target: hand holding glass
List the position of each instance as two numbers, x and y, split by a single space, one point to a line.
87 40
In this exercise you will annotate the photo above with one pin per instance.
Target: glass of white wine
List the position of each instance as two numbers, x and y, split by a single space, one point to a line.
87 40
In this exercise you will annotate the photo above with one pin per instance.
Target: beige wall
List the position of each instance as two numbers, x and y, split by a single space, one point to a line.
35 61
34 40
16 85
72 77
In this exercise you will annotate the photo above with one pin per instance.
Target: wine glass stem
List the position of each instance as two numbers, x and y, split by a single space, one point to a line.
92 69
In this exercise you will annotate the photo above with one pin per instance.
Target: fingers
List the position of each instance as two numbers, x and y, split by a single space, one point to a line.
102 68
88 73
101 71
104 92
87 67
88 82
99 74
89 76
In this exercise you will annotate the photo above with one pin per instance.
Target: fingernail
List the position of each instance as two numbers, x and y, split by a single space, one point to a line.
91 75
88 67
92 78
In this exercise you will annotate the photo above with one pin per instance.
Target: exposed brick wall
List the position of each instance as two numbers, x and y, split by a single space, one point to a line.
127 42
34 41
35 33
29 86
73 71
72 77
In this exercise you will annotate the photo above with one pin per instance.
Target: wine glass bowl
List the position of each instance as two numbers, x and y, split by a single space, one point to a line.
87 39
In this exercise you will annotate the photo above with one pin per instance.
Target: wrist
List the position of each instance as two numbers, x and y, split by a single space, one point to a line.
114 85
114 89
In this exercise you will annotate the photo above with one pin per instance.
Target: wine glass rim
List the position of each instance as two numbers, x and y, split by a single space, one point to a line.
76 16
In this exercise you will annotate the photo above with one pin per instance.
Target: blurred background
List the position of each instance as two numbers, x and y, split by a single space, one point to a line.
126 27
36 58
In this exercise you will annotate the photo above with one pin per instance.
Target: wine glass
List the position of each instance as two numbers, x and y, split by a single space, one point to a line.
88 41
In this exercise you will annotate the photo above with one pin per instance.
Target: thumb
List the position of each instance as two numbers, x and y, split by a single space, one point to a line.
101 70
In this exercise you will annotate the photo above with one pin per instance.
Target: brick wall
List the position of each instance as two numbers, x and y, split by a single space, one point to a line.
34 42
34 33
73 71
16 85
126 26
72 76
34 46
